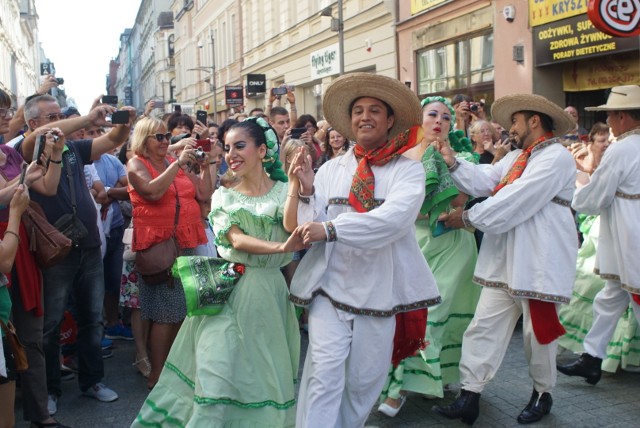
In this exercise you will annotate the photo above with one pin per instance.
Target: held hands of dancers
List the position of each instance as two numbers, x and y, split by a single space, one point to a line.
446 151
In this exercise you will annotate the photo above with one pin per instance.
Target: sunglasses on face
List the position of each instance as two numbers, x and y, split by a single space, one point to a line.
161 137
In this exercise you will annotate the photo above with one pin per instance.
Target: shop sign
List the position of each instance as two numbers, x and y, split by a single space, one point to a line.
256 83
418 6
233 95
325 62
615 17
545 11
576 38
593 75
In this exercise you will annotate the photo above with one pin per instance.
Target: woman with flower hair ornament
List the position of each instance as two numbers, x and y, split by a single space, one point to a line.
451 255
238 367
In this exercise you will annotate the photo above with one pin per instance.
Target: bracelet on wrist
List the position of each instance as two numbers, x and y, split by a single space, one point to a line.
213 163
55 161
10 232
453 167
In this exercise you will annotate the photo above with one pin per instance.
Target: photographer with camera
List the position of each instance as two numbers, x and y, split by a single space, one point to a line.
72 211
165 192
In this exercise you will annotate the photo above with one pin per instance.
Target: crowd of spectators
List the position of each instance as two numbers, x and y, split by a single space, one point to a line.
128 187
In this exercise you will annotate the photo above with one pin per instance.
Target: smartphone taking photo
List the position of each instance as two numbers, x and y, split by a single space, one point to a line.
120 117
201 116
23 173
39 149
110 99
297 132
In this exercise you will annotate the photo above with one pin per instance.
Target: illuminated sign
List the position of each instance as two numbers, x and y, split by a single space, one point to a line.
545 11
576 38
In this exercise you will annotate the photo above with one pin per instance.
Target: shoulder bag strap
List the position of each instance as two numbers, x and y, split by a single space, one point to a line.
72 187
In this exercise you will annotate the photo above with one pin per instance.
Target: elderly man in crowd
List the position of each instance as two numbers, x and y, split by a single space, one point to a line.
527 261
81 272
613 192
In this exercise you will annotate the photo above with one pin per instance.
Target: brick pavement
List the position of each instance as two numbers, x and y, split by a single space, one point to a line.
611 403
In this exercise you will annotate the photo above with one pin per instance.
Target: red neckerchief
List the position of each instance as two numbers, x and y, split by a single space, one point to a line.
363 184
520 164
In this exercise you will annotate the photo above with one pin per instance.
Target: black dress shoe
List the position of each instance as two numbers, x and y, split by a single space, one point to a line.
466 407
539 405
586 366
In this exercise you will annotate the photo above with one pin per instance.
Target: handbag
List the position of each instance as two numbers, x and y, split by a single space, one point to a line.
17 349
69 224
154 263
47 243
207 281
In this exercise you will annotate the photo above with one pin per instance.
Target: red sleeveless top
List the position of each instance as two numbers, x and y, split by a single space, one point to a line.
153 220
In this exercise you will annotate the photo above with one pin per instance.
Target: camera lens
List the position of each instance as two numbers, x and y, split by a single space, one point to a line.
60 81
473 107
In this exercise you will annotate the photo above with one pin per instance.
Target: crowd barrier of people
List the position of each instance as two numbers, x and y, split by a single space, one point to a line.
406 237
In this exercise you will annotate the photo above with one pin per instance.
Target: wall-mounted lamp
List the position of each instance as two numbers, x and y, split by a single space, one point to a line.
337 24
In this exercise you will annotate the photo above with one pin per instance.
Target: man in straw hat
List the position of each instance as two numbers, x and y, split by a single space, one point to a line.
614 193
527 260
365 269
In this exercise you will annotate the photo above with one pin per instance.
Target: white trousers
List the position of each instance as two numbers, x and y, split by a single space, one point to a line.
485 342
346 366
608 306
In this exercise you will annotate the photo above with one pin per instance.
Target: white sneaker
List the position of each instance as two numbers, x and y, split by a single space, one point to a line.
101 393
52 404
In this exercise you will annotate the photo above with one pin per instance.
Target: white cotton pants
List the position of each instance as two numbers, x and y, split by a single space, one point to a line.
608 306
485 342
346 366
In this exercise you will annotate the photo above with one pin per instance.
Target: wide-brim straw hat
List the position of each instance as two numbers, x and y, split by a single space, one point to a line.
503 109
345 89
621 98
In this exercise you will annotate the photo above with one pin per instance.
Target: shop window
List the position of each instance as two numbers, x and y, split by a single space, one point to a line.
456 65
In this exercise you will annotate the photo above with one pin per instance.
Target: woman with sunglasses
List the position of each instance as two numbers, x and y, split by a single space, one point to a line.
157 182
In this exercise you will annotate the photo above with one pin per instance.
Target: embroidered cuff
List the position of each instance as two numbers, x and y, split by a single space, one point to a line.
465 218
307 198
330 230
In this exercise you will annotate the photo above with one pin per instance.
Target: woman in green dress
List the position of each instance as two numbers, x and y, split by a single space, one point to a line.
451 255
238 368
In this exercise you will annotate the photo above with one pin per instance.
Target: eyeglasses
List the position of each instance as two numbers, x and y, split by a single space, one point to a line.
53 117
7 113
161 137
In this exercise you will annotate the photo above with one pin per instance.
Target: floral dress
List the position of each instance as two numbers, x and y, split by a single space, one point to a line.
237 368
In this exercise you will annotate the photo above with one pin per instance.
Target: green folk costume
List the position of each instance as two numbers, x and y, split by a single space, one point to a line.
237 368
452 259
577 316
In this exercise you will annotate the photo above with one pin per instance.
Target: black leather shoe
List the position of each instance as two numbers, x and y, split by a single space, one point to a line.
586 366
539 405
466 407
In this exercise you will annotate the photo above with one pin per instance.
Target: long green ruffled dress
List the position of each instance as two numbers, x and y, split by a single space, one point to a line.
452 259
237 368
577 316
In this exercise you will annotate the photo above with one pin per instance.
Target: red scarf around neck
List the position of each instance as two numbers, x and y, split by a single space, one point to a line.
361 196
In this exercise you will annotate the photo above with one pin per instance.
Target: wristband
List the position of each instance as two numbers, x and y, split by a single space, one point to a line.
330 230
453 167
55 161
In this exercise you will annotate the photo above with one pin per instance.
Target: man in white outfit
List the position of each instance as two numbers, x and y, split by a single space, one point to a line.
613 192
365 266
527 261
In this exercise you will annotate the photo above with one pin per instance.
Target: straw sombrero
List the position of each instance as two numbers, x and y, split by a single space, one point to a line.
621 98
345 89
503 108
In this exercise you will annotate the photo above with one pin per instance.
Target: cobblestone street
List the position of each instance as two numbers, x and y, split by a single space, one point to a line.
613 402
